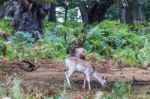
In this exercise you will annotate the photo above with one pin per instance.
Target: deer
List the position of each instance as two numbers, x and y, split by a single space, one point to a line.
74 64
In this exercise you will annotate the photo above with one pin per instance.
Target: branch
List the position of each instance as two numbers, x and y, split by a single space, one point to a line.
31 67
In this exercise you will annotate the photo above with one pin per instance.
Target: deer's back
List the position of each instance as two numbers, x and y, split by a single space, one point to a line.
79 64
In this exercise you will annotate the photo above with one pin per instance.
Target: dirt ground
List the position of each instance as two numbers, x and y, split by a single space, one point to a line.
50 76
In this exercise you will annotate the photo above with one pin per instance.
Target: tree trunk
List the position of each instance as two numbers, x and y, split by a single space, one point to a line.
95 12
28 17
66 12
129 13
84 12
122 15
137 13
52 13
132 13
98 10
2 11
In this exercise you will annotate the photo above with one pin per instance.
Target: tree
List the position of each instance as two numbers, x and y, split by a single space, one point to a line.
27 15
52 13
91 10
131 12
3 1
2 8
94 11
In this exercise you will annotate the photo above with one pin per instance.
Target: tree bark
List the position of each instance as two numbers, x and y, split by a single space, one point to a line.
132 13
66 12
28 17
137 13
52 13
84 12
129 13
122 15
2 11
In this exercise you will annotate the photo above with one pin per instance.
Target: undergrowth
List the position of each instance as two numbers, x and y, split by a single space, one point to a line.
109 39
6 26
13 88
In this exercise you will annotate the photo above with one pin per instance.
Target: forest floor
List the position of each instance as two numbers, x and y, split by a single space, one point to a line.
49 77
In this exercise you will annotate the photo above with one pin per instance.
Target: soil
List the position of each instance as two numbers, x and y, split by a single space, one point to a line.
49 77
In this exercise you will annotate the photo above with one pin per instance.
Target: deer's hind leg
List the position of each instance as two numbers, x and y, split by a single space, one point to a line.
84 83
88 79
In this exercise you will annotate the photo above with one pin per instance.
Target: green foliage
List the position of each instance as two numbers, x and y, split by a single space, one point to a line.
109 39
52 45
121 90
3 91
99 95
143 54
127 55
12 87
31 52
6 26
72 15
117 41
54 34
16 91
23 37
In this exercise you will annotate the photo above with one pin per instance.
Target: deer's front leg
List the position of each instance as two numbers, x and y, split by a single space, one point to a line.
67 78
68 74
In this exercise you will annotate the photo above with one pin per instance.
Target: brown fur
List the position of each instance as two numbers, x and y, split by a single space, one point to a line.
74 51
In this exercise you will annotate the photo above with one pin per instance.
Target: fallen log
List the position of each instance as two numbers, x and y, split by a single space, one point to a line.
140 82
30 68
